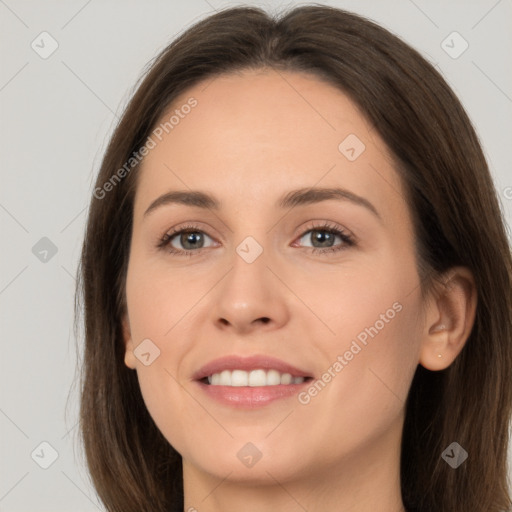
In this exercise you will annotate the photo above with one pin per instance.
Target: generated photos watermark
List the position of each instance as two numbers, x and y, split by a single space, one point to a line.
137 156
337 366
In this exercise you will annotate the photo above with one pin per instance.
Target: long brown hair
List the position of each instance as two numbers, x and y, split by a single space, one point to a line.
457 221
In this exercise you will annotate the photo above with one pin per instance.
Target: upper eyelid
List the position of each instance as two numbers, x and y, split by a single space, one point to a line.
326 225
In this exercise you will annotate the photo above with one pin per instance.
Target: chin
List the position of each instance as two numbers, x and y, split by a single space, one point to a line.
257 463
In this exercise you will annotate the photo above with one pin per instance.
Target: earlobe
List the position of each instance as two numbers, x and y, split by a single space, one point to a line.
129 357
449 319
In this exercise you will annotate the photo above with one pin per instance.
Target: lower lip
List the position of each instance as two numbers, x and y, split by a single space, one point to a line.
247 397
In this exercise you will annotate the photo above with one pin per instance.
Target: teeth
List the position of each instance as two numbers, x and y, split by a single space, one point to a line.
286 378
238 378
273 378
257 378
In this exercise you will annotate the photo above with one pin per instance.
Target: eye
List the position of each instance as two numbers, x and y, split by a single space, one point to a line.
323 238
190 238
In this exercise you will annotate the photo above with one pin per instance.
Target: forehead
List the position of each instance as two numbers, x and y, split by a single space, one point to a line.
262 132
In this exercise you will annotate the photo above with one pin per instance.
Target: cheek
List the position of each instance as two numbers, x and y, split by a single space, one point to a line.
374 343
159 305
372 360
374 301
158 299
361 395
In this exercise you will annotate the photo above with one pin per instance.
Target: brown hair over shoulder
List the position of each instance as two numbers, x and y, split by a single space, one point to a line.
457 221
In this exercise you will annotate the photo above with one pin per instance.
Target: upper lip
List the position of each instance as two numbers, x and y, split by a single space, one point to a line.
234 362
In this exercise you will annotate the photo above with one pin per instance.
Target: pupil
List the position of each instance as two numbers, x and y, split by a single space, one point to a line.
322 237
190 238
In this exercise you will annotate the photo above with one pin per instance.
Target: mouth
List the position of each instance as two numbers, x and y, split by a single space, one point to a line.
250 382
253 371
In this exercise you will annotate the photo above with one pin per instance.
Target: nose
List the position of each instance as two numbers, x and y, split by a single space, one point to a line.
251 297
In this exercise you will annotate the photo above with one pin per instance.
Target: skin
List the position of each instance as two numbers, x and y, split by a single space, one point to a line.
252 137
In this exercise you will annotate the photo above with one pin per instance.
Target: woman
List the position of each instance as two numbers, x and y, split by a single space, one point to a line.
296 281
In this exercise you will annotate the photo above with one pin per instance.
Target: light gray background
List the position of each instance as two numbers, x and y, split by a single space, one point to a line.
56 116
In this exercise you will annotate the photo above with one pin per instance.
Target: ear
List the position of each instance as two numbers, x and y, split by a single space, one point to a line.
450 316
129 357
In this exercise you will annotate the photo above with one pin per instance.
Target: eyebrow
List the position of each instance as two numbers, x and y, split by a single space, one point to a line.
291 199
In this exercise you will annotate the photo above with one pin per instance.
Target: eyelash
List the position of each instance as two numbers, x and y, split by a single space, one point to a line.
348 241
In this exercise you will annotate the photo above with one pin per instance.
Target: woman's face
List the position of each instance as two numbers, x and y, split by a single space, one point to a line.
301 305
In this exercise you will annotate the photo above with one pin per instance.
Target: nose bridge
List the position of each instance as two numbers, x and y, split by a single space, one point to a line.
250 292
250 250
247 281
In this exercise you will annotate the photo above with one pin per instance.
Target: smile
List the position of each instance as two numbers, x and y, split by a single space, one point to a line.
254 378
250 382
